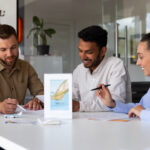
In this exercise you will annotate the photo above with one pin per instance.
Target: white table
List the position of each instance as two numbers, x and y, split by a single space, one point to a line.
77 134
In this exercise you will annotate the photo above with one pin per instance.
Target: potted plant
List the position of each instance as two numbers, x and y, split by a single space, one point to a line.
40 35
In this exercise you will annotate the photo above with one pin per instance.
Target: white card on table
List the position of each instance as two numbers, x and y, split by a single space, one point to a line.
58 96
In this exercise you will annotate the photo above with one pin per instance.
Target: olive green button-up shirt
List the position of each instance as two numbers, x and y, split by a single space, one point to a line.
14 82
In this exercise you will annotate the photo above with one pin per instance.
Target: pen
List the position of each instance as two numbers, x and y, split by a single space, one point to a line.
19 106
100 87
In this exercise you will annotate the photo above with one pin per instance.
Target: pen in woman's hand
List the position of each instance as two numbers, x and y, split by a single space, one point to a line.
100 87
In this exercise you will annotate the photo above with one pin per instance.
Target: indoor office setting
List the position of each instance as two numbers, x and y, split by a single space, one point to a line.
74 92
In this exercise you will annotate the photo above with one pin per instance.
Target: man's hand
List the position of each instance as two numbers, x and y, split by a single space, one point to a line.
8 106
105 96
135 111
75 106
34 104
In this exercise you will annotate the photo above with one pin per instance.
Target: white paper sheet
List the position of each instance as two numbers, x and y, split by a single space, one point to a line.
58 96
103 116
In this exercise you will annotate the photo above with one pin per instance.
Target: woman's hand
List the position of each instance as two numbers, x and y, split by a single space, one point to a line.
135 111
105 96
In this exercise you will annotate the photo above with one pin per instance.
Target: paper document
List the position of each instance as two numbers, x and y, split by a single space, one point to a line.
106 116
58 96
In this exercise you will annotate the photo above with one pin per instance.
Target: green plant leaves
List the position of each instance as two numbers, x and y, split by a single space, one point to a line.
42 23
39 32
35 39
32 30
36 21
49 32
43 37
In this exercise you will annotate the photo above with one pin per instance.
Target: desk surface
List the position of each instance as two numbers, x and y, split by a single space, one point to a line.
77 134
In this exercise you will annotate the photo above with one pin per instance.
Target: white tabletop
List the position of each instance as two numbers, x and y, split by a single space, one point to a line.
80 133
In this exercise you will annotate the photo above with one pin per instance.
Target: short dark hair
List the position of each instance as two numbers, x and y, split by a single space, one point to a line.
6 31
94 33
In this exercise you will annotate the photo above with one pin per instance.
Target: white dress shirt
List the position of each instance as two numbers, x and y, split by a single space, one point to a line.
110 71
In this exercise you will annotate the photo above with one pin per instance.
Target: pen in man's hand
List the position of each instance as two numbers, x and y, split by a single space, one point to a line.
100 87
19 106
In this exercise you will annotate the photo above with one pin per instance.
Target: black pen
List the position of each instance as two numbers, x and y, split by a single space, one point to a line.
100 87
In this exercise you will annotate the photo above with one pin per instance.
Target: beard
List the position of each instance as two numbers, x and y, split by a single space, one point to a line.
93 64
9 63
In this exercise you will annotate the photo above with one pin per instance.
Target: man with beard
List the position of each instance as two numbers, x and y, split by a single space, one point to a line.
97 69
16 75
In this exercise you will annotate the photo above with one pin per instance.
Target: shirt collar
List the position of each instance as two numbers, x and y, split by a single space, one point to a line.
17 65
101 64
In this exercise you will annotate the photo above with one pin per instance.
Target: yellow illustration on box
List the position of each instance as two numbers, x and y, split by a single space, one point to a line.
61 91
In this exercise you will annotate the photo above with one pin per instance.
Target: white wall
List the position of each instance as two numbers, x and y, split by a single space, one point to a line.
67 17
8 15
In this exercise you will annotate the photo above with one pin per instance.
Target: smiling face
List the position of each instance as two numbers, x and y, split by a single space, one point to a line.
90 54
143 58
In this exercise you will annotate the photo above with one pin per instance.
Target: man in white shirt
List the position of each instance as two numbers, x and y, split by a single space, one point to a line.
97 69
